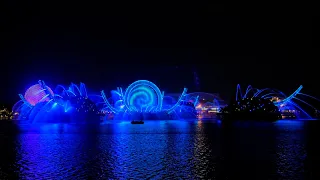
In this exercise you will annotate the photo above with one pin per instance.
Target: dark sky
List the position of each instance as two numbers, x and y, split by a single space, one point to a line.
110 45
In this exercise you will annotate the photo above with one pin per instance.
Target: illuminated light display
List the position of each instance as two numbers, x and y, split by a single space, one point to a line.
109 106
141 95
141 98
41 104
254 108
238 92
179 101
68 104
286 104
5 114
38 93
207 104
144 97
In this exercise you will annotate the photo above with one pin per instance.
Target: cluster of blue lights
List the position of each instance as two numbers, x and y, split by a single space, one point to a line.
281 100
144 97
141 98
40 103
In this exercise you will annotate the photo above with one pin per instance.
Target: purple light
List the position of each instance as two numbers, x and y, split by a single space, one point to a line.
36 94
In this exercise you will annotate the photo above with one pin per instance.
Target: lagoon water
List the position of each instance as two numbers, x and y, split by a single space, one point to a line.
160 150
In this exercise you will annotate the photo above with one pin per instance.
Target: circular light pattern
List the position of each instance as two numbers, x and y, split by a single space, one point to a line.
143 95
36 94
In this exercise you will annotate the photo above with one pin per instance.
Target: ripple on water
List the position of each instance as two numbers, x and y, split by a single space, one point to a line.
155 150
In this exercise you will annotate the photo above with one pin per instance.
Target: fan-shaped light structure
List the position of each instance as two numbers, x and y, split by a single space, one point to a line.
144 97
281 100
41 104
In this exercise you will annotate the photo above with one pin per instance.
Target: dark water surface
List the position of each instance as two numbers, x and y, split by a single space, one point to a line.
161 150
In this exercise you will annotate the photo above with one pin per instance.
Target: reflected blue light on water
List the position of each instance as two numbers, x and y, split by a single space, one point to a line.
159 150
285 122
290 142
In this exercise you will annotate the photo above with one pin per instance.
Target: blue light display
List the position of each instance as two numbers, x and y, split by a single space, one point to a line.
41 105
141 99
144 98
286 104
143 95
68 104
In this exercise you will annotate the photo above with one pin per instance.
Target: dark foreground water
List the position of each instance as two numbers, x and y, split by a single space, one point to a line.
161 150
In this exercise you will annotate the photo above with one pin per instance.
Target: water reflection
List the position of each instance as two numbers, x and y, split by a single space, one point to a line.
291 149
158 150
202 153
247 151
55 153
178 150
8 153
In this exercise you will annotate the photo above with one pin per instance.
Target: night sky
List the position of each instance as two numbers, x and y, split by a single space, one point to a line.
110 45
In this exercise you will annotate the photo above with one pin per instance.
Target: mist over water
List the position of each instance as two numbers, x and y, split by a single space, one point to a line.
160 150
